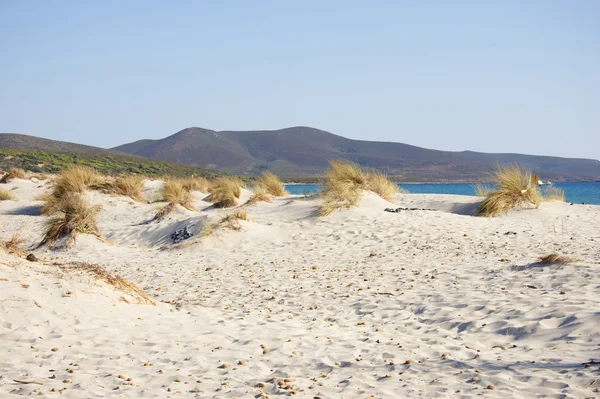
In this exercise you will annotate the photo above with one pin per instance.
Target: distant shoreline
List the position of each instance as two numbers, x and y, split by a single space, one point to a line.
316 183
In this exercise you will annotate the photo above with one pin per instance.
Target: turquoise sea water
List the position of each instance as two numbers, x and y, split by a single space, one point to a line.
588 193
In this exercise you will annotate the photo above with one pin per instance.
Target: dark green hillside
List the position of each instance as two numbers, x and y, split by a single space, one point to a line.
106 163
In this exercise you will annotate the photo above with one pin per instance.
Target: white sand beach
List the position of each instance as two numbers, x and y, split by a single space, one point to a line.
360 304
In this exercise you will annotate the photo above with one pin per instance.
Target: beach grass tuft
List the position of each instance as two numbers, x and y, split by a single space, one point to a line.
555 259
225 191
259 194
101 274
272 185
196 184
13 246
6 195
232 220
72 180
129 186
482 190
73 215
163 212
75 179
174 192
381 185
552 193
207 230
344 182
514 187
13 173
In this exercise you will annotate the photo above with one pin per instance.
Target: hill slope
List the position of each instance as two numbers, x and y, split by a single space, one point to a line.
304 151
43 155
23 141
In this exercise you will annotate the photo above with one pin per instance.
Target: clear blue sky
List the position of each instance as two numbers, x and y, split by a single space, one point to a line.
494 76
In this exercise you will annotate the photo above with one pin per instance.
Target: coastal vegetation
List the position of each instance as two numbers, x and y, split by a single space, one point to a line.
129 186
552 193
73 180
232 220
381 185
271 184
514 187
76 179
224 192
13 246
112 164
482 190
72 215
13 173
553 259
344 182
175 192
196 183
259 194
6 196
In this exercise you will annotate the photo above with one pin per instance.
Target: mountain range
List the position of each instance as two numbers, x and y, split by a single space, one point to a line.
305 151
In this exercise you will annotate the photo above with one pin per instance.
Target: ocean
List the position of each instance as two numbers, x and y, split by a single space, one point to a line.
575 192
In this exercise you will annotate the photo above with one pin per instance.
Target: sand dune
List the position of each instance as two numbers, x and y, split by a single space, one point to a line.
361 303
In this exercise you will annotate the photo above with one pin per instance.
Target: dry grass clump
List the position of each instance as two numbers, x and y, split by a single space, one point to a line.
514 188
224 192
344 172
52 202
381 185
163 212
343 182
555 259
259 194
196 184
75 179
73 215
231 221
5 195
13 246
272 185
554 194
207 230
482 190
13 173
238 214
173 191
101 274
129 186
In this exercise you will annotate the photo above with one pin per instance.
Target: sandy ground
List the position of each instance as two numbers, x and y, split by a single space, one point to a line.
363 303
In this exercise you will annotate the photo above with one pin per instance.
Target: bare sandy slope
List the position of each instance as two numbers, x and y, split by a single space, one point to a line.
362 303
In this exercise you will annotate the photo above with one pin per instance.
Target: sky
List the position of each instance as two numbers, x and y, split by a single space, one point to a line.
492 76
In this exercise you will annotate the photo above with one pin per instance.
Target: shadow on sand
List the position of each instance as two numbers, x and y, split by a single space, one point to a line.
32 210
